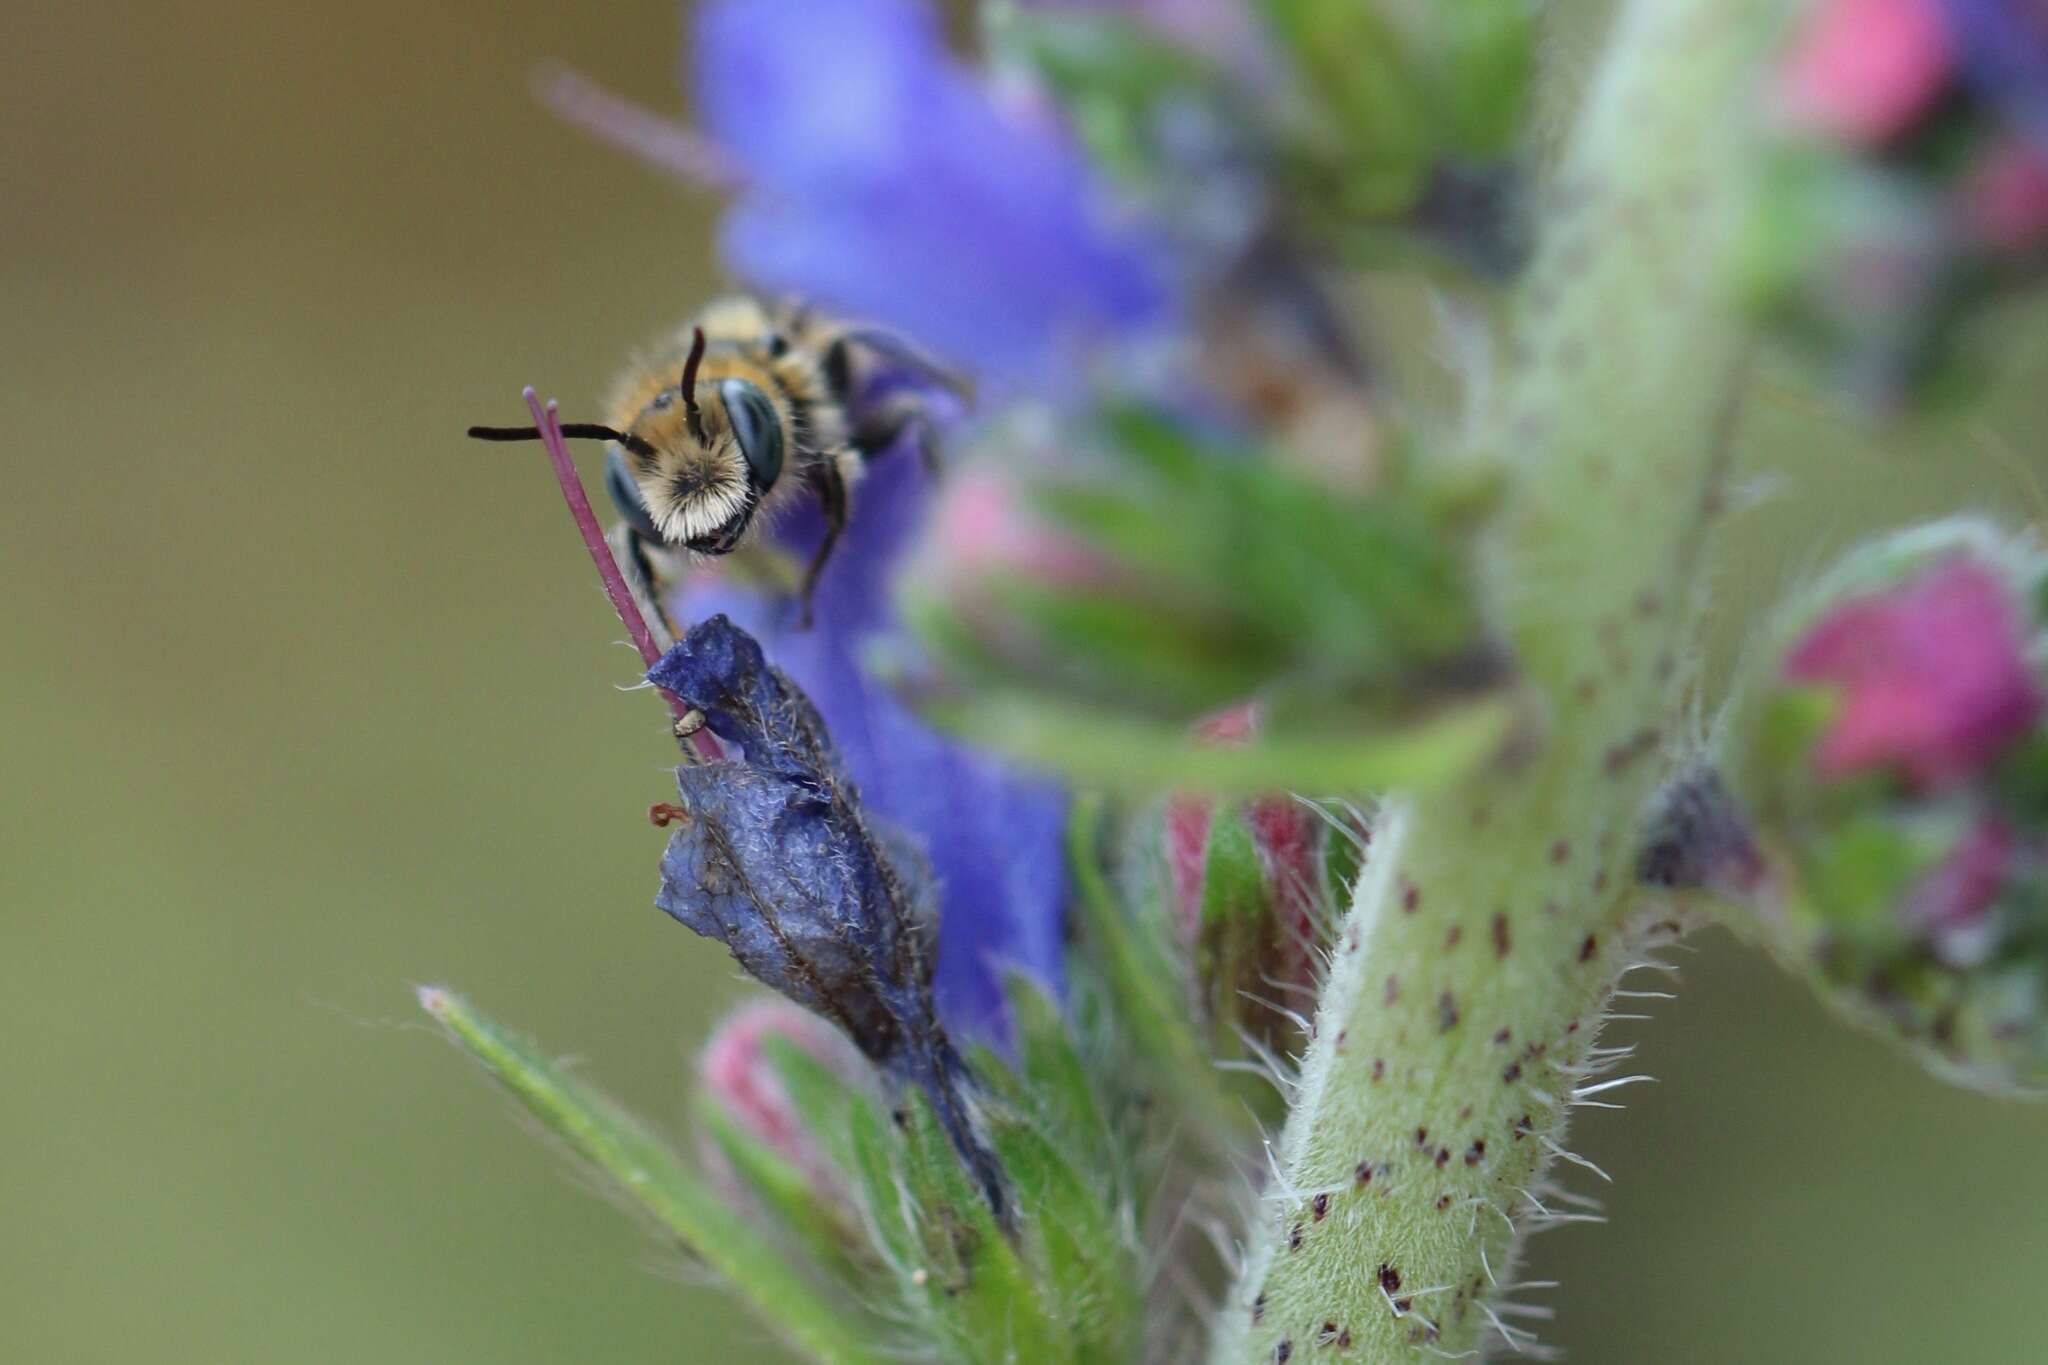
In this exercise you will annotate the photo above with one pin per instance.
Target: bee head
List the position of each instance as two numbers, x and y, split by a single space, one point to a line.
711 454
696 462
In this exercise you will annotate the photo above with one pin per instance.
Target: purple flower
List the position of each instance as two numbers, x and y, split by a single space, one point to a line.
1864 70
775 856
885 181
1932 675
2002 47
994 838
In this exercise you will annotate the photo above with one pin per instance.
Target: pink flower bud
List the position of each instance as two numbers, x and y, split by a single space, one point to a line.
1866 70
1287 839
2005 198
1932 676
983 532
1952 905
739 1076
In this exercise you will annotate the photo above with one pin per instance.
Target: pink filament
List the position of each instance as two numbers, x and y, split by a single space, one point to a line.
578 100
549 420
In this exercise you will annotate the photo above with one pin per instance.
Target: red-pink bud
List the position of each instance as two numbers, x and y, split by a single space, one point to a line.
982 530
1951 906
1932 676
1286 838
739 1076
1866 70
2005 198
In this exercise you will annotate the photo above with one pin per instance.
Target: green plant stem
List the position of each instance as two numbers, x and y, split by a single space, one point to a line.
643 1169
1490 924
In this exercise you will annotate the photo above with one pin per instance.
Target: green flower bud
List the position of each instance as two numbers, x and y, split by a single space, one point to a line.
1097 614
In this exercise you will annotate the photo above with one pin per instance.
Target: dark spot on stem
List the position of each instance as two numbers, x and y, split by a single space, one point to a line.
1319 1208
1446 1012
1501 942
1588 948
1476 1152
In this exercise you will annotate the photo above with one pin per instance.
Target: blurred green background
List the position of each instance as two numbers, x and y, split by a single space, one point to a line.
303 699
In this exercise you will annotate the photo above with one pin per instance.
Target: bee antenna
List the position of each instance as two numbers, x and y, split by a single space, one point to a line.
691 411
592 431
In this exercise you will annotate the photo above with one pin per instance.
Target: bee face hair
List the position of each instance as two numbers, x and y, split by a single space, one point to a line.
743 413
710 463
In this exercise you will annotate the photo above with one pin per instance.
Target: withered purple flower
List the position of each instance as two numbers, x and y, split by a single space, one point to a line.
993 835
773 857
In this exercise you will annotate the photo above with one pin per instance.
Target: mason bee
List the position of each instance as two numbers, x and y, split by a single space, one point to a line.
753 407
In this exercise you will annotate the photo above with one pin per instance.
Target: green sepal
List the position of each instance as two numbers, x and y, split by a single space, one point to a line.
1056 1086
1145 980
964 1278
1481 55
1236 913
1079 1235
1121 753
1368 138
649 1175
1114 77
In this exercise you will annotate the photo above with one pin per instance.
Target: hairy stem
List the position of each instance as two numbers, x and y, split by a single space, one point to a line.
1462 1007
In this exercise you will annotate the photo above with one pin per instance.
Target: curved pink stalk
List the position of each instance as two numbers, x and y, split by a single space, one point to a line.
546 416
581 102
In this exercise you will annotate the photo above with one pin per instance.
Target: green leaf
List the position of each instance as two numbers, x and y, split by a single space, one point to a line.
653 1178
1118 752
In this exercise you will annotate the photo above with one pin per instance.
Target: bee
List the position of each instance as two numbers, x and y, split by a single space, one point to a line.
753 407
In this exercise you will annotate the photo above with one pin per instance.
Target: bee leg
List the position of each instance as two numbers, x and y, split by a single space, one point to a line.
895 419
831 487
648 568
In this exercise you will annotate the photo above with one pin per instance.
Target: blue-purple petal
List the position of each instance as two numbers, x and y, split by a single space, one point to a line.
2003 48
887 182
994 836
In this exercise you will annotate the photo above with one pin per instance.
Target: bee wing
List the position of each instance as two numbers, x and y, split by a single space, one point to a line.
900 354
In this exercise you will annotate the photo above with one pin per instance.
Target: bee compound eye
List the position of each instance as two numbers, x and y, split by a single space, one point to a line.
618 481
758 430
